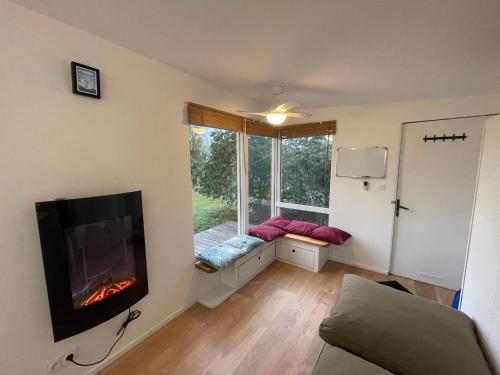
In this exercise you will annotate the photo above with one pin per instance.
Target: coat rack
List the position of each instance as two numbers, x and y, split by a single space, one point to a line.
444 137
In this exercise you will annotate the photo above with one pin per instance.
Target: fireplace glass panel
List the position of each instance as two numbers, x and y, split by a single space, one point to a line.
101 259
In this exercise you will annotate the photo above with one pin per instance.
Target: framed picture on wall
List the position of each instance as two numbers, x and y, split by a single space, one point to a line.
85 80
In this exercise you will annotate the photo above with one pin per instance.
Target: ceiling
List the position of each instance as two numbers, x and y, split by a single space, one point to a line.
325 52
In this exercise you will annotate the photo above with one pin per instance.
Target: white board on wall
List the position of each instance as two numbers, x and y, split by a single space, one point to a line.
361 162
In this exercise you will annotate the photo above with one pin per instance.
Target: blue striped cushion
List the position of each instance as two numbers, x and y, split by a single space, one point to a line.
225 253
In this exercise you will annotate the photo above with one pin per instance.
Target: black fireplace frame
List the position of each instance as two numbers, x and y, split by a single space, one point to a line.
53 217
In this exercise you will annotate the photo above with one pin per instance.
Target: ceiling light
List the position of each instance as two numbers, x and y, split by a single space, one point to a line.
198 130
276 118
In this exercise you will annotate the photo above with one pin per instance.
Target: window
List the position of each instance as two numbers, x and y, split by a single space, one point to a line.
214 177
313 217
245 171
305 169
260 179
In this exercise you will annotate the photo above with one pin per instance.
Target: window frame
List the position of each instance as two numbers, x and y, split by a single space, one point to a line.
301 207
242 164
244 172
240 185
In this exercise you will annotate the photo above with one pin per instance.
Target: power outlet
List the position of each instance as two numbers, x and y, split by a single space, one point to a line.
60 362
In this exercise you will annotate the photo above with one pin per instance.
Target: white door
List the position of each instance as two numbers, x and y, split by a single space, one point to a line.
437 181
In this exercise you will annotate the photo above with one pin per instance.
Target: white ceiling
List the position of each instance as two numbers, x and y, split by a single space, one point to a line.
325 52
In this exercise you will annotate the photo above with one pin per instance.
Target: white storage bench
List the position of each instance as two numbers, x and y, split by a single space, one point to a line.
215 287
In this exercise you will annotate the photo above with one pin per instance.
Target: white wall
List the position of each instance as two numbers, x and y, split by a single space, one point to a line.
56 144
481 290
368 215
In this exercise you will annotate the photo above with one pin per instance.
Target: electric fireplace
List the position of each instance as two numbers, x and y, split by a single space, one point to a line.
94 258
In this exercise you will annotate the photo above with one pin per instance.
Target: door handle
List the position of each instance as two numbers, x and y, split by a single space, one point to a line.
397 202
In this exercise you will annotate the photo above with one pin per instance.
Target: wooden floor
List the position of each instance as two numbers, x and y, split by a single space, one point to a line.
215 235
270 326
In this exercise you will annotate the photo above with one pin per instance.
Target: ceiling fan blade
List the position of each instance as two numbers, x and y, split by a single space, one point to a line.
264 114
282 108
298 114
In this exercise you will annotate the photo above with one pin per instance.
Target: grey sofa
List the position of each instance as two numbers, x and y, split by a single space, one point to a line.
376 330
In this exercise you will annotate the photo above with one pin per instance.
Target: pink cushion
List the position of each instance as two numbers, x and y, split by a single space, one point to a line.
330 234
266 232
302 228
278 222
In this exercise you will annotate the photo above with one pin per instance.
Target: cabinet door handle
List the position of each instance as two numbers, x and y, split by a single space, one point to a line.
293 250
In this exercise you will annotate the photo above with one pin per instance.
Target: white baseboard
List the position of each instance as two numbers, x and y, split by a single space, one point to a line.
360 265
139 339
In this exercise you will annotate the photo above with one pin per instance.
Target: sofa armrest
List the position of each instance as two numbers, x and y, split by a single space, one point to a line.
402 333
336 361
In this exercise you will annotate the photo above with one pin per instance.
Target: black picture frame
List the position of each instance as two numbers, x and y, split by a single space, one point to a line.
86 80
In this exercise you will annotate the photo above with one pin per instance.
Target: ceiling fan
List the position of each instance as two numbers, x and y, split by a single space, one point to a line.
277 114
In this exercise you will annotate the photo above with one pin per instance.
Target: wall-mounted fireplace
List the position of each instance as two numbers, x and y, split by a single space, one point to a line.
94 258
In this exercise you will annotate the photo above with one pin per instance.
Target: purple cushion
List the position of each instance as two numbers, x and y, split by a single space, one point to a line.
266 232
278 222
330 234
302 228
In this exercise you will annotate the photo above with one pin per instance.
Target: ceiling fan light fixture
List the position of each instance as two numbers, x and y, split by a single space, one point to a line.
198 130
276 118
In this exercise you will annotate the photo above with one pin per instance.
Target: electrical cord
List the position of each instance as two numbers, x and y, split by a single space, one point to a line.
132 315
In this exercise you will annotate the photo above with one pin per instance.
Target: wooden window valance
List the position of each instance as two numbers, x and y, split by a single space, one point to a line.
213 118
308 130
255 127
205 116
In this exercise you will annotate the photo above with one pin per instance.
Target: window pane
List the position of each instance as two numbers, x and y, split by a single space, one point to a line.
305 170
313 217
214 184
259 178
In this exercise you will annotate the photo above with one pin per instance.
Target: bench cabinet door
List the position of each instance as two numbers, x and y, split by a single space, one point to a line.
248 269
268 255
295 255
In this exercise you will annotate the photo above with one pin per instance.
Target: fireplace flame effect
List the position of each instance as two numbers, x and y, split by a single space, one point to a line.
104 291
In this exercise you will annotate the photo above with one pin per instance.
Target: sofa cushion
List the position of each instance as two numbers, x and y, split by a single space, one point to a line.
330 234
266 232
336 361
405 334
